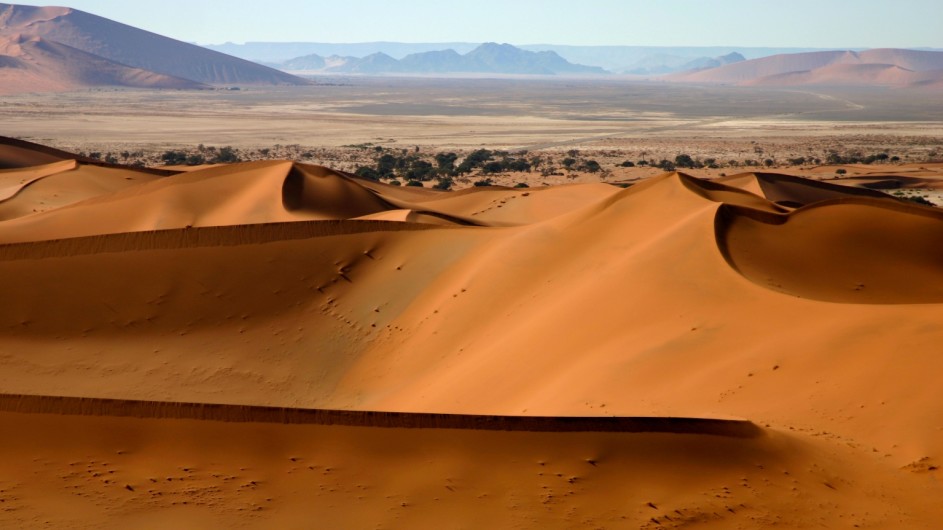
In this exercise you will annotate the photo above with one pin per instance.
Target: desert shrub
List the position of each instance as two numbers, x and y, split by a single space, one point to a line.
443 184
627 163
420 170
445 163
492 167
474 160
919 200
521 185
684 160
226 155
483 183
367 172
516 164
840 171
386 164
414 184
173 158
195 159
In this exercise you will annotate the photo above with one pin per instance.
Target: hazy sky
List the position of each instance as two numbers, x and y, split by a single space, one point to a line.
780 23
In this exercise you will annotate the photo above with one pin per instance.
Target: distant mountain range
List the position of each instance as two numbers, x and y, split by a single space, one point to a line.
58 48
637 60
488 58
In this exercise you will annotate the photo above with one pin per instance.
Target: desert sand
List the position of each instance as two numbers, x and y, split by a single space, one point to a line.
279 344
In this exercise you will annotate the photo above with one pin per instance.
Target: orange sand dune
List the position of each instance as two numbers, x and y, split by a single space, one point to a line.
52 186
793 191
287 285
119 472
251 193
15 153
12 182
21 154
812 253
497 206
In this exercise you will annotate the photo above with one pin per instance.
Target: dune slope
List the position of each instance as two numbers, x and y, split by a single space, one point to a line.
807 310
120 43
40 65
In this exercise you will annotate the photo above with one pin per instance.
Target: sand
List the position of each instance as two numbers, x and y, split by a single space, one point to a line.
274 344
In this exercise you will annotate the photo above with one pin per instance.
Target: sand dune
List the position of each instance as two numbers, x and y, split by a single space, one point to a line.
877 67
16 153
793 191
152 57
812 253
260 327
115 472
40 65
845 74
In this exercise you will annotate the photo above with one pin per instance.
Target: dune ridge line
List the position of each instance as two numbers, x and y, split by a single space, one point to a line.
82 406
198 237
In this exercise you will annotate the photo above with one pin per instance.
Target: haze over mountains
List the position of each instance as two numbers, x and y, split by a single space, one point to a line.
641 60
56 48
487 58
741 66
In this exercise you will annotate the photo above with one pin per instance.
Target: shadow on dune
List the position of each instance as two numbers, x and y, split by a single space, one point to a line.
847 250
410 420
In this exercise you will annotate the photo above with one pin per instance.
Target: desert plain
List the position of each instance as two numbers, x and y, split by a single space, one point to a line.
279 343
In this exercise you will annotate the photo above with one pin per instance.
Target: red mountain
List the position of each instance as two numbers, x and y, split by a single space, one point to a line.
878 67
121 45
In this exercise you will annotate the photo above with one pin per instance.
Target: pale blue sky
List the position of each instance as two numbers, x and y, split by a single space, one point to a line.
779 23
